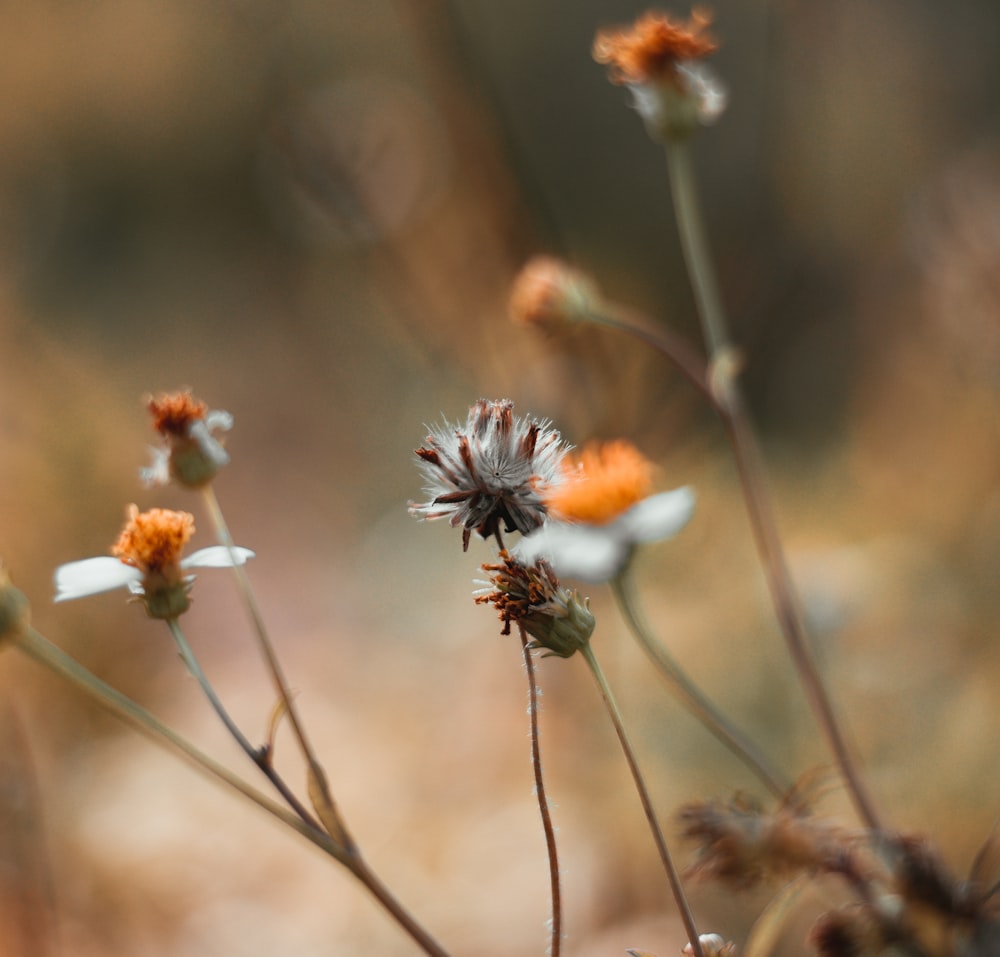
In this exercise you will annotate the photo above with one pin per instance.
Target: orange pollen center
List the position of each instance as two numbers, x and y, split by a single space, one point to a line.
174 412
604 481
153 540
653 46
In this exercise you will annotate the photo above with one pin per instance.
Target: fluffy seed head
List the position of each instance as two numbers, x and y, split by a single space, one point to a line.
490 473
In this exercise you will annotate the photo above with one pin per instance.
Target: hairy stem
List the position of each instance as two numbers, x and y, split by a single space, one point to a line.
543 801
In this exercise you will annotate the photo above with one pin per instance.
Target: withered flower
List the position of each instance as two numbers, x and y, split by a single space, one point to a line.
558 620
491 473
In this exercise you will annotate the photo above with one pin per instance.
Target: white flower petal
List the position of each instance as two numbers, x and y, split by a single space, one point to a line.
657 517
587 552
217 556
218 421
158 470
91 576
209 446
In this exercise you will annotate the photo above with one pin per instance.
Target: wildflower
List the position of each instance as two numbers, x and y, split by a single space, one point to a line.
741 844
147 560
492 471
13 606
548 292
193 455
557 619
659 61
601 511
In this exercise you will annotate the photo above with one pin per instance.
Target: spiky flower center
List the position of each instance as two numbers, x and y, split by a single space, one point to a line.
154 541
174 412
652 47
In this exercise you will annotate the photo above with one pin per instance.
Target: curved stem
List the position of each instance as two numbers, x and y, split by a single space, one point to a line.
319 788
730 405
673 877
689 694
543 801
257 755
672 346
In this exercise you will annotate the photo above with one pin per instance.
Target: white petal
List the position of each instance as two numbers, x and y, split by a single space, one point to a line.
209 446
218 421
217 556
158 470
657 517
587 552
91 576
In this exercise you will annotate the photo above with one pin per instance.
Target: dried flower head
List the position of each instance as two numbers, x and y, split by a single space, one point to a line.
192 455
601 511
147 560
558 620
740 844
547 292
658 59
490 473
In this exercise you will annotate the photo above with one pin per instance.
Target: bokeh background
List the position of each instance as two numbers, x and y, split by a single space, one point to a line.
310 213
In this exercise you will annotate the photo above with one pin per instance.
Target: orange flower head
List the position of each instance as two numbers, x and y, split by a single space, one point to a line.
153 541
601 483
652 47
174 412
192 453
548 292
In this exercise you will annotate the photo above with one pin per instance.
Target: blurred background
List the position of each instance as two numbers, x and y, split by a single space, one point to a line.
310 214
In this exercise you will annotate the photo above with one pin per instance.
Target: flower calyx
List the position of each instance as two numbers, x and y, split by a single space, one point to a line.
557 619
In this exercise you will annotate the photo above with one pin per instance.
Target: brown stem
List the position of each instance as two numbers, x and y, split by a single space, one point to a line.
360 869
319 789
543 801
769 547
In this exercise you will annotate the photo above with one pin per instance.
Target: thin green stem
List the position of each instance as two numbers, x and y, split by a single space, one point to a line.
319 788
689 694
543 801
259 756
694 245
677 889
730 405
